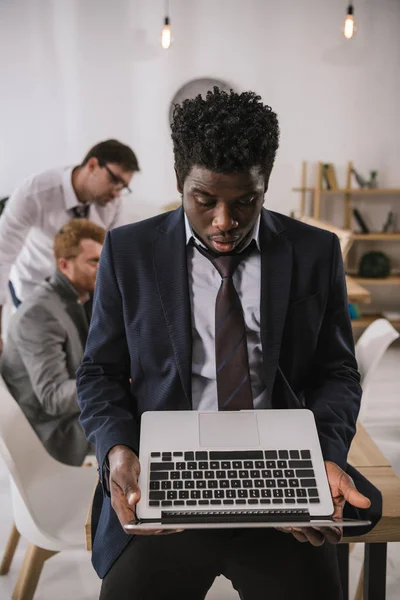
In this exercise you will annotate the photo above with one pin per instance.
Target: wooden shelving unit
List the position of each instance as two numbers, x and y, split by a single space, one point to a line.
348 194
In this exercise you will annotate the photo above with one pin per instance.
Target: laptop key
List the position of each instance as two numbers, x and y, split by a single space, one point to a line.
265 501
290 501
235 483
189 485
305 454
227 502
175 475
192 466
183 495
201 455
172 495
283 454
253 501
312 492
212 484
259 464
270 464
267 473
243 474
197 475
224 483
277 501
230 493
155 454
225 464
186 475
177 454
201 484
166 485
254 493
304 473
154 485
255 474
179 503
158 475
289 473
163 466
215 502
214 464
237 464
207 494
282 483
154 503
271 454
314 500
259 483
240 501
289 493
294 454
282 464
204 502
300 464
191 502
177 485
166 502
300 493
294 483
242 494
277 493
220 474
189 455
181 466
308 483
278 474
247 483
266 494
219 494
209 474
232 474
156 495
195 494
203 466
270 483
302 501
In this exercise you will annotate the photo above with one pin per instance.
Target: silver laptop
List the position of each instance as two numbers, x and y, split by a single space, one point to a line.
260 468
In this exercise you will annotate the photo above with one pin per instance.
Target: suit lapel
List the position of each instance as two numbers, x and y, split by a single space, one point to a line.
169 249
74 309
276 272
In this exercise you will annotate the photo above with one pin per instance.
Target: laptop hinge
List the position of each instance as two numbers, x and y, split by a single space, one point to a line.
233 516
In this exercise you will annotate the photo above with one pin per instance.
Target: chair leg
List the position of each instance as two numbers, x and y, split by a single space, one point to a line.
31 569
360 586
10 550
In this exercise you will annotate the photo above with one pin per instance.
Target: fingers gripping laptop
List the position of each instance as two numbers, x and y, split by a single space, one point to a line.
259 468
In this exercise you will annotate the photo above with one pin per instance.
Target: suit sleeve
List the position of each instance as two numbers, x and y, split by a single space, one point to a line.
334 391
41 340
107 406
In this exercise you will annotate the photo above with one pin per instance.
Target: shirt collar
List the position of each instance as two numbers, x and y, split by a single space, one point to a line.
190 233
70 198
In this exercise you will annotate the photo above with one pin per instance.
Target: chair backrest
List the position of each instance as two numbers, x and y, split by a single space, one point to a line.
22 451
345 236
372 345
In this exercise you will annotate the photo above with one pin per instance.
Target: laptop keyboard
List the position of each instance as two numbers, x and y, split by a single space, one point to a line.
232 478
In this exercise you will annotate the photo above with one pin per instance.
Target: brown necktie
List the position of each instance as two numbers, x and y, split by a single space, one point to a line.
231 358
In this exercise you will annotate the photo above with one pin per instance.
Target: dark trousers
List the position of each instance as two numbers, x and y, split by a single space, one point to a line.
261 564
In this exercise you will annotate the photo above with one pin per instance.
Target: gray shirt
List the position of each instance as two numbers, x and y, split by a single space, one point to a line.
204 283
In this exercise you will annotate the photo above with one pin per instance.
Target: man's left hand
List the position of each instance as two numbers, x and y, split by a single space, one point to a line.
343 490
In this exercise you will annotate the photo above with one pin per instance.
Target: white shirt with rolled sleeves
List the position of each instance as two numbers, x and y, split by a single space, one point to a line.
34 213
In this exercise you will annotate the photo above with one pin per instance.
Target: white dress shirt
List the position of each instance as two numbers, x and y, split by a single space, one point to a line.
34 213
204 283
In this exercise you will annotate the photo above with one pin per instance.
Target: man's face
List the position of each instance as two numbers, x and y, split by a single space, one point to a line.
107 182
223 208
82 270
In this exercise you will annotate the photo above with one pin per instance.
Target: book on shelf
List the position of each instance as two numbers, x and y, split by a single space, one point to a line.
354 310
329 176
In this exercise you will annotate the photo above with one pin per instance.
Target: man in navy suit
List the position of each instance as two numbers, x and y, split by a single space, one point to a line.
151 346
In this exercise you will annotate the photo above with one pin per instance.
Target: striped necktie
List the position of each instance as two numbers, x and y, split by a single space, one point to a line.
231 358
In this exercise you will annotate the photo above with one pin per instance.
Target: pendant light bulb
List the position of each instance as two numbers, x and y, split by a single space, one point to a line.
349 24
166 37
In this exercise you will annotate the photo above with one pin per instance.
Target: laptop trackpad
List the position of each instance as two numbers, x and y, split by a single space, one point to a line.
233 429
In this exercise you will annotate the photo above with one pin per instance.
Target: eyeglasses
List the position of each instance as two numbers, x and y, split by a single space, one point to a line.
117 181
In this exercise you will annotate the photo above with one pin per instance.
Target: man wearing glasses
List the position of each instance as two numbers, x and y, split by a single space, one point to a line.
45 202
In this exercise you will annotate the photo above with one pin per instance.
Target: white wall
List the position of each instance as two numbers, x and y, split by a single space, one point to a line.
75 71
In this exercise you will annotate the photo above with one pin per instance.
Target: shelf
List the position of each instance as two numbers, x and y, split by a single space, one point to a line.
366 320
391 280
353 191
385 237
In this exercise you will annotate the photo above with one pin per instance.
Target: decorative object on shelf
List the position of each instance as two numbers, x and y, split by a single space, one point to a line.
195 87
359 178
373 180
166 36
391 315
349 28
374 265
329 175
360 220
390 223
354 310
3 202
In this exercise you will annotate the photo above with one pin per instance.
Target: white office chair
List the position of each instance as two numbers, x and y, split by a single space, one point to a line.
370 348
50 499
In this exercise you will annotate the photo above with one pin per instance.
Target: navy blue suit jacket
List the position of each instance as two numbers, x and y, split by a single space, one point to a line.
141 330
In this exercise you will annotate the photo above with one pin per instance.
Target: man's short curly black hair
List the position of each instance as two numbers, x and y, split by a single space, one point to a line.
225 133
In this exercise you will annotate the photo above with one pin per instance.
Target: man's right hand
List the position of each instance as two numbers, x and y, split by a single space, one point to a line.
124 488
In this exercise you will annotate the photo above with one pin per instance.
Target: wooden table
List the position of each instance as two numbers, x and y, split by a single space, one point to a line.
366 457
357 293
